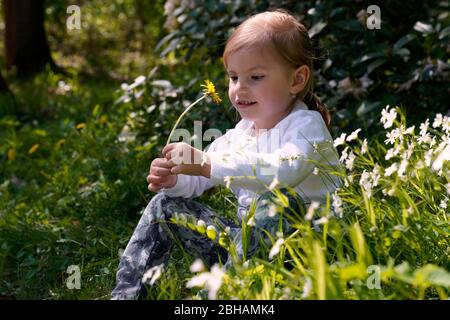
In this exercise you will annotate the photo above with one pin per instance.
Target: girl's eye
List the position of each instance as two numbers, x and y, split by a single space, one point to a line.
257 77
233 78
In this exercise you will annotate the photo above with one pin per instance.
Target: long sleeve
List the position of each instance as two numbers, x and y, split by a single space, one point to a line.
188 186
291 162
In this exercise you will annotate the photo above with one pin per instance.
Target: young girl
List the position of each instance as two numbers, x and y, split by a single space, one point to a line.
281 141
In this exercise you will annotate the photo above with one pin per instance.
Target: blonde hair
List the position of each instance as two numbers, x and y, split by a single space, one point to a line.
290 39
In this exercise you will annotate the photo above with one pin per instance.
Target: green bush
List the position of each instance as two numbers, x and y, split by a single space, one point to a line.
358 70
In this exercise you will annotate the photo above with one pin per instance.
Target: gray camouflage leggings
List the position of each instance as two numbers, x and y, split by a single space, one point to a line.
153 238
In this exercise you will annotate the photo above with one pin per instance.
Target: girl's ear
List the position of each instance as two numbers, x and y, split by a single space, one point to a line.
301 77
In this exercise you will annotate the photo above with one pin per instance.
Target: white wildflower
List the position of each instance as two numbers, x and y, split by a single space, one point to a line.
399 227
428 156
63 88
424 127
426 138
446 124
272 211
228 180
392 136
153 274
390 154
315 171
197 266
410 130
350 161
375 174
137 82
420 164
307 287
315 146
323 220
274 183
437 120
433 142
344 155
339 141
388 117
337 205
391 169
365 183
353 135
312 208
209 280
276 248
350 178
443 156
447 186
402 168
389 192
443 203
364 147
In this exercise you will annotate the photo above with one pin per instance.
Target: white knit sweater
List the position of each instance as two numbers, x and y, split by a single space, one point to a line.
289 152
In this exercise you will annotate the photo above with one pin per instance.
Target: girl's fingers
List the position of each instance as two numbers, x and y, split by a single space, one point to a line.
161 162
155 179
168 148
176 169
158 171
154 187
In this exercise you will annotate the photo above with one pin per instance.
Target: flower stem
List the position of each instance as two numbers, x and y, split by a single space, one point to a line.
184 112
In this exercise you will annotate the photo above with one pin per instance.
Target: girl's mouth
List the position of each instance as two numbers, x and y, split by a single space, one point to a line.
245 103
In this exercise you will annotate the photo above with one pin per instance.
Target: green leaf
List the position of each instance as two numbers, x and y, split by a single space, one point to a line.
369 56
282 199
317 28
402 41
375 65
424 28
40 132
444 33
350 25
365 108
402 52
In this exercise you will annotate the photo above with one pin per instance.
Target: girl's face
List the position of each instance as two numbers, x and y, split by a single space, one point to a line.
260 86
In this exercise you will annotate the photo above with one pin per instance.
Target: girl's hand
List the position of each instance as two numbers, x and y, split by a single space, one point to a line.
187 160
160 175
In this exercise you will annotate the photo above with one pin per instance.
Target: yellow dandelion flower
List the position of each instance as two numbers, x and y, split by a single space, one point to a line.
12 154
210 90
60 143
103 119
33 148
81 125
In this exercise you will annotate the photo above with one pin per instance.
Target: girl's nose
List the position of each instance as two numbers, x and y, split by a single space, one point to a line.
241 87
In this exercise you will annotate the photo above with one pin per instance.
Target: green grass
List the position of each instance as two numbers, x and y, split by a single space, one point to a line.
73 198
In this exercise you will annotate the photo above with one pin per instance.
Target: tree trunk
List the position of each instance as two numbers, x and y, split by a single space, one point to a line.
7 101
3 86
25 39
